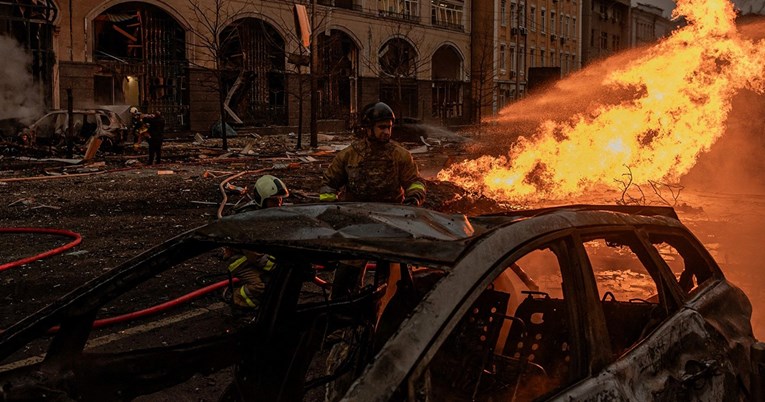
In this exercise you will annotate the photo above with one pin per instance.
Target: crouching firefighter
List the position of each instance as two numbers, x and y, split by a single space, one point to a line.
252 268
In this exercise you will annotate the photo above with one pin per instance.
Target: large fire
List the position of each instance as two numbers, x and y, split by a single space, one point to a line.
681 92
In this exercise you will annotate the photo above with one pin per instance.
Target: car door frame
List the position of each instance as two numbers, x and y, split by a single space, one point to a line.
610 382
406 356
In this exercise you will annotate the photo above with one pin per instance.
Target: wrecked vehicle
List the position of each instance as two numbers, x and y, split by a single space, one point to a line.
50 130
559 304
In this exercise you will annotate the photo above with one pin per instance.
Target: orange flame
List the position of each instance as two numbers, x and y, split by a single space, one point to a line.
682 96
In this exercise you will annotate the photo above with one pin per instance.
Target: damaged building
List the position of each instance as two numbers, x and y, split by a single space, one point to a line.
32 24
157 55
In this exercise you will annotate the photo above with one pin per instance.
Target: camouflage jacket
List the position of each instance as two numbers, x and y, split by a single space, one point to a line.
369 171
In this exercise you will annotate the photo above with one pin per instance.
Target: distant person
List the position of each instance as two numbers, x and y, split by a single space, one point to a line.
135 126
373 168
156 132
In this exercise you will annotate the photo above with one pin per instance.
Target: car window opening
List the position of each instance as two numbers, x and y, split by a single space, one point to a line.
514 341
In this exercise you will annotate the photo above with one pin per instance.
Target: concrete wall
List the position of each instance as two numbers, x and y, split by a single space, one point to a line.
78 77
204 109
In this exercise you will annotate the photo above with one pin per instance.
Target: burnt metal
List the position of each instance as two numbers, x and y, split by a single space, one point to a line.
273 352
122 376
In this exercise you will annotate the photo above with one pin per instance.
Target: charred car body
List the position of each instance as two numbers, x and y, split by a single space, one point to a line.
569 303
102 124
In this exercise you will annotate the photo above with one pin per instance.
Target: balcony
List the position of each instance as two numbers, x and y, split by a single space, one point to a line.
398 16
518 31
447 25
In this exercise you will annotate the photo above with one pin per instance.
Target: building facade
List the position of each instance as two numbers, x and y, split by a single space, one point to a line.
648 25
605 28
163 56
513 40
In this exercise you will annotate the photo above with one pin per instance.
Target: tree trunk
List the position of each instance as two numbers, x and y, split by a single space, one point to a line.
221 100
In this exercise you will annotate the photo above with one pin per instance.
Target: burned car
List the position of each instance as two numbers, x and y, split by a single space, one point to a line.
567 303
102 124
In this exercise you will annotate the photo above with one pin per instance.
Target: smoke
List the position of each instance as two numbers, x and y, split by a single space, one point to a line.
19 95
750 6
730 179
581 93
735 163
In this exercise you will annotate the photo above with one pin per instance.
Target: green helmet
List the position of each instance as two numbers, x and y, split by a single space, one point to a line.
267 187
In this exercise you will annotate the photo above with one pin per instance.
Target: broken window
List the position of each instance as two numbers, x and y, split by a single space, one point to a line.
629 287
303 340
405 9
141 45
46 128
691 267
398 85
449 14
254 63
514 342
338 66
108 90
447 85
397 58
402 97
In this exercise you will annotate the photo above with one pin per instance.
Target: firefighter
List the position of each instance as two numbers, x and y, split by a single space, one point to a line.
252 268
374 168
137 127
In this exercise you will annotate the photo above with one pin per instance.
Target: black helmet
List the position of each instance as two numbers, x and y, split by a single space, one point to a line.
376 112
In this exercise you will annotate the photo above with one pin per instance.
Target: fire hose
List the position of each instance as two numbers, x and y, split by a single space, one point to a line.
120 318
222 187
77 240
76 236
157 308
148 311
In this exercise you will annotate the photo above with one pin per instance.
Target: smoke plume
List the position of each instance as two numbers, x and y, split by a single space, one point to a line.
19 95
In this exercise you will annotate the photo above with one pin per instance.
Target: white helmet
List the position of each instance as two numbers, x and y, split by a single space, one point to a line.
267 187
134 110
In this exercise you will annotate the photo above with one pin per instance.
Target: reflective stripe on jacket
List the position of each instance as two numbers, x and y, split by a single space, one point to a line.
370 171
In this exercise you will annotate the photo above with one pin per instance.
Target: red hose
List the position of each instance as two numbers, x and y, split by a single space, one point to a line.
57 250
162 306
124 317
155 309
175 302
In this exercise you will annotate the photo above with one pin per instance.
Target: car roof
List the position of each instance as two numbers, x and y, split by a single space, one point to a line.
407 234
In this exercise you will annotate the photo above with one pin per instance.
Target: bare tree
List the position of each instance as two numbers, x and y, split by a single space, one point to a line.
303 59
210 21
484 73
397 64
